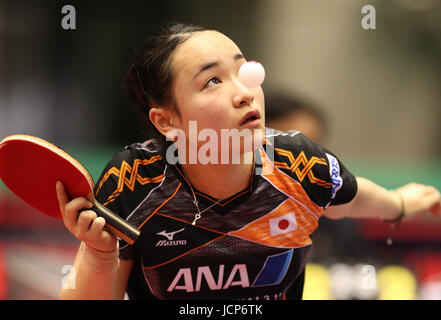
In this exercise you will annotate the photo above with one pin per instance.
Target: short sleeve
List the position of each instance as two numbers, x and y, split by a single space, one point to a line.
322 175
124 183
106 193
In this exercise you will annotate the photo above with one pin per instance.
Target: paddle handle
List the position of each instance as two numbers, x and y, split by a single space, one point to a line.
116 225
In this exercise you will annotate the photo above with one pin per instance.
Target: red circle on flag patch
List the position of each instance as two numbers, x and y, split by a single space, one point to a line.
283 224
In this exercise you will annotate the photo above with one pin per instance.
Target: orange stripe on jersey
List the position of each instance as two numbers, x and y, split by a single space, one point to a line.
318 181
294 166
130 181
185 253
287 184
290 224
160 206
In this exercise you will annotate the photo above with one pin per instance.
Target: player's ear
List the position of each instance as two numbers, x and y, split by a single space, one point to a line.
162 118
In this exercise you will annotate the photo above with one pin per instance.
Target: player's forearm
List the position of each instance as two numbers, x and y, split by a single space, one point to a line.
371 201
92 277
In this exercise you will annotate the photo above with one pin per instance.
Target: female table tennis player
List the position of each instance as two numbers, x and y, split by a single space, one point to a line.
214 231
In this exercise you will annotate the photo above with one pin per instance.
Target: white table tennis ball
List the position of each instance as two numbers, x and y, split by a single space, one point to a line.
251 74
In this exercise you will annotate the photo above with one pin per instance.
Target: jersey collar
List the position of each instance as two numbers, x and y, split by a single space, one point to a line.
225 205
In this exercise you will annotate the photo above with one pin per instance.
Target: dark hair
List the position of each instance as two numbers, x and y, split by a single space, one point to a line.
150 75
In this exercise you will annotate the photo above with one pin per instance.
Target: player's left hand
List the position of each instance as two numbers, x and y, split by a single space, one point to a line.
420 198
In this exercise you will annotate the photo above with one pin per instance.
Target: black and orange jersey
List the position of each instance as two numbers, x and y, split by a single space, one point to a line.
253 245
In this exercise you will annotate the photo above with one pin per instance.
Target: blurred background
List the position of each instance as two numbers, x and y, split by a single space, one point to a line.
373 97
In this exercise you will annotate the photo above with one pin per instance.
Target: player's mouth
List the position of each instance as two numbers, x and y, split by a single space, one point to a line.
251 119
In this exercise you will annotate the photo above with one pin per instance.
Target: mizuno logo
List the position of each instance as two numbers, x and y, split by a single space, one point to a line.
169 236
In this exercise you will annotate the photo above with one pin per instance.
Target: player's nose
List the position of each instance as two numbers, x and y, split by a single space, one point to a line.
242 95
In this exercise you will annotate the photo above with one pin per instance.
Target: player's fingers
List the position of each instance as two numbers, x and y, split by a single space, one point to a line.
97 231
84 222
427 202
429 191
97 227
62 197
433 197
72 209
78 204
97 237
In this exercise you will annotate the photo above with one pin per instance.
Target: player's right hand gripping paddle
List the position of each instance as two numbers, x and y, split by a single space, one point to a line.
30 167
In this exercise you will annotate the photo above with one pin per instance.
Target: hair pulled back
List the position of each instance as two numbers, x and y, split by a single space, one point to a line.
149 78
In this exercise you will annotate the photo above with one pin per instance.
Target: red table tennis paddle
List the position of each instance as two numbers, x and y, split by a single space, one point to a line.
30 167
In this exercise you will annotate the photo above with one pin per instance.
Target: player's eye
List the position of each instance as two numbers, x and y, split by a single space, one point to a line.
212 82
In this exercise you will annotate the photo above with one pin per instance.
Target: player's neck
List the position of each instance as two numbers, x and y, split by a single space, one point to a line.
221 181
